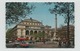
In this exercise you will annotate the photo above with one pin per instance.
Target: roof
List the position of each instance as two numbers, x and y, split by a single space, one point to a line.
31 20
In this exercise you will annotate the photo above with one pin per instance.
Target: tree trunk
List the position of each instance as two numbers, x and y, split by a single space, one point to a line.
68 20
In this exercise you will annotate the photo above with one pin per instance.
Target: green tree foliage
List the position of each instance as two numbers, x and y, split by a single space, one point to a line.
40 34
15 11
63 9
9 35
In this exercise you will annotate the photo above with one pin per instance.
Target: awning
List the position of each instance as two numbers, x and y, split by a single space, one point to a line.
21 38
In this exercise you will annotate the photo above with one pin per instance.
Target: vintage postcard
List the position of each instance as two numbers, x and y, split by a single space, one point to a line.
40 25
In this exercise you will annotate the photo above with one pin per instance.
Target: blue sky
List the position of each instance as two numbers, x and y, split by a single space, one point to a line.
41 13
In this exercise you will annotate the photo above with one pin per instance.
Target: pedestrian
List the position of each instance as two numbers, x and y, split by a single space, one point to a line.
59 40
43 40
59 43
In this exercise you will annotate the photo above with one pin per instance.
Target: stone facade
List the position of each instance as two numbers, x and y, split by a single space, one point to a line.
31 26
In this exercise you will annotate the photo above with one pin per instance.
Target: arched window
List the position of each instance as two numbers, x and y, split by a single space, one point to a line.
43 32
39 32
31 32
27 32
35 32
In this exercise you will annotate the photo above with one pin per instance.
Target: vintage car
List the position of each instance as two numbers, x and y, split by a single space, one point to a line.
24 44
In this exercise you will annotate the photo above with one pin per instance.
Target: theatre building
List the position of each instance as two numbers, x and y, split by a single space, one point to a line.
27 27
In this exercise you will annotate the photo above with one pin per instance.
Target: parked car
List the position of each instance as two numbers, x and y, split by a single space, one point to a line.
16 44
30 41
24 44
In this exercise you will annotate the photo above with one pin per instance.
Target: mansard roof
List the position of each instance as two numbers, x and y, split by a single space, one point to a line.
31 20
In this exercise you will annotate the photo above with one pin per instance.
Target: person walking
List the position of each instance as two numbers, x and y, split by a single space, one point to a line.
59 42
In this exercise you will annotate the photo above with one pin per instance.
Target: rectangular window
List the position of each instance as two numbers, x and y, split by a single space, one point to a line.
30 23
27 23
33 23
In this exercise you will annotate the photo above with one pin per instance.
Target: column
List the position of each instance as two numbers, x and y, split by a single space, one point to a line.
24 33
50 33
33 31
37 31
29 32
18 33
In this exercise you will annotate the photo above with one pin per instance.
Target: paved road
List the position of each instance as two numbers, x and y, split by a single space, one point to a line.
48 44
36 45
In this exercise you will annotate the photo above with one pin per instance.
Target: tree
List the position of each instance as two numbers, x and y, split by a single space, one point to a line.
65 9
40 34
10 36
15 11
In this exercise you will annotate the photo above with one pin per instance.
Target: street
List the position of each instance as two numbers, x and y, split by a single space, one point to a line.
47 44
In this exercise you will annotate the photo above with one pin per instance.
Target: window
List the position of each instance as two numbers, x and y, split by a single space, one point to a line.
24 22
33 23
29 27
37 27
30 23
27 32
32 27
38 24
27 23
21 23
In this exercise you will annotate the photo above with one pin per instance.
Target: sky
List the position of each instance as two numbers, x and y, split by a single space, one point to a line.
42 13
